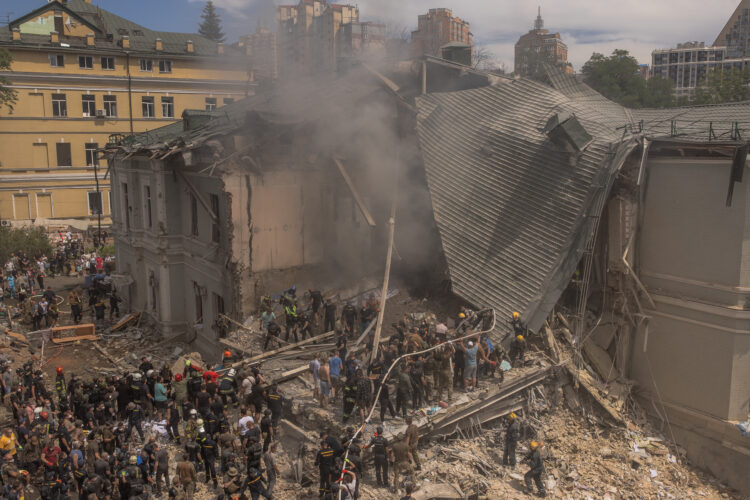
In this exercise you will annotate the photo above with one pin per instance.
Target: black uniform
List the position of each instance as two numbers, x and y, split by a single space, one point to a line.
511 440
536 469
379 446
325 461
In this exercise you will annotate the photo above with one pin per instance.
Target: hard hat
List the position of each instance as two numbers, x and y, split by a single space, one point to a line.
379 430
45 415
136 376
512 416
227 354
471 344
193 412
201 429
131 405
534 445
59 369
519 337
294 288
232 372
461 315
199 422
188 362
178 377
516 315
133 460
149 373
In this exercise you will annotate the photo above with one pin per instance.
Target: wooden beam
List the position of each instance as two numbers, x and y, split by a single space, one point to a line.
586 381
289 347
364 334
355 194
386 279
198 195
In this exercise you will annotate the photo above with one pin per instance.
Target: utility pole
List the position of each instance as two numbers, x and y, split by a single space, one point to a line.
100 204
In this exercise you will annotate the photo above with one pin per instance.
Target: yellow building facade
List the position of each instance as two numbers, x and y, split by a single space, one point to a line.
84 76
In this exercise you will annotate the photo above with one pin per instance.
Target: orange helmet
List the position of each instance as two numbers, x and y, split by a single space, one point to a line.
45 415
178 377
227 354
59 369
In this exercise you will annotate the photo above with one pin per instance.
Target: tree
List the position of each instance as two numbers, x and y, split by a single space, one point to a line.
211 25
7 95
32 241
723 85
616 77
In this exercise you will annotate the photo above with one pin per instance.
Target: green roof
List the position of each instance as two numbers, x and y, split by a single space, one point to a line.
110 28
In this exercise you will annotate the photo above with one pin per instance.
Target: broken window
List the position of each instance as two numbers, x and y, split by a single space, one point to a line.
85 62
147 106
167 107
198 304
210 103
95 202
193 215
88 103
59 105
147 196
56 60
228 100
165 66
215 230
147 65
92 160
219 308
108 63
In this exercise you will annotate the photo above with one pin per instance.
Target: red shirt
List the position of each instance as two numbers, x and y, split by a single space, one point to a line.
51 454
210 374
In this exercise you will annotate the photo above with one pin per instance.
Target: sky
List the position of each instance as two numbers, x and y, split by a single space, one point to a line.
586 26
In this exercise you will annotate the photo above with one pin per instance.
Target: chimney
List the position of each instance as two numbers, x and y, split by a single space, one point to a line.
159 45
54 37
16 34
90 39
220 48
190 47
125 42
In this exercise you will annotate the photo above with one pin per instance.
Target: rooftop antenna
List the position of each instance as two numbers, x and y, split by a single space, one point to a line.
539 23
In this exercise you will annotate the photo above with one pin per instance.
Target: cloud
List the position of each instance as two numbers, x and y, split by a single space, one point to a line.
586 26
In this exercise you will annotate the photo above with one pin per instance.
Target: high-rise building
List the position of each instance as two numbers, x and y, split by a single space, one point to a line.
81 75
315 36
261 48
440 34
540 45
688 63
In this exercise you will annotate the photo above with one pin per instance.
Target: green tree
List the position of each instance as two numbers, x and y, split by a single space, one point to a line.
616 77
211 25
723 85
31 240
7 95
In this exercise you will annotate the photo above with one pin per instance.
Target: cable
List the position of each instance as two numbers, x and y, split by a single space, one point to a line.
393 365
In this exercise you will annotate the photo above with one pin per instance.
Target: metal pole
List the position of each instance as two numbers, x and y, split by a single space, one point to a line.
100 207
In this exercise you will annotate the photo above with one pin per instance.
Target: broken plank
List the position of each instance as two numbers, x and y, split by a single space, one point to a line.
289 347
582 378
355 194
600 361
364 334
290 374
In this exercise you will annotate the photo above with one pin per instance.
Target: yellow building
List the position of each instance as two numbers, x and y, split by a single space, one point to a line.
83 74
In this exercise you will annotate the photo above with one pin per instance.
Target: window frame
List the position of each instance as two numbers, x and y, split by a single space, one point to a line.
108 58
109 103
211 106
88 148
168 101
58 58
163 63
145 101
149 213
215 228
226 101
86 102
84 58
61 104
193 201
58 147
148 63
93 211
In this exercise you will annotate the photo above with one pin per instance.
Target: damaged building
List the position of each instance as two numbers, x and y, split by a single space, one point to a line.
629 225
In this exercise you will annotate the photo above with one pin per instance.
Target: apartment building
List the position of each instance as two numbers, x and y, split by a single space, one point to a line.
82 75
688 63
539 42
440 34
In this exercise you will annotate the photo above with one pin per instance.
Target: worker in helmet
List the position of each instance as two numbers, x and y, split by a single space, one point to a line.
518 327
517 350
60 386
536 469
226 360
512 433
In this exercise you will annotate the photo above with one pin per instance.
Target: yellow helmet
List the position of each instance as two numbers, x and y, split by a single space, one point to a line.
534 445
519 337
512 416
516 315
461 315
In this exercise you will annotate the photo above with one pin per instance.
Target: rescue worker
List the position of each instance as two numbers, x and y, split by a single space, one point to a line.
131 478
256 484
536 469
517 350
208 454
227 387
290 316
135 420
401 461
272 333
275 405
325 462
349 398
349 318
411 437
403 390
512 433
61 387
75 306
443 371
379 445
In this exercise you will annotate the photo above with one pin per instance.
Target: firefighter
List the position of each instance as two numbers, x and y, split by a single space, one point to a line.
325 462
536 469
517 350
61 387
512 432
379 445
227 387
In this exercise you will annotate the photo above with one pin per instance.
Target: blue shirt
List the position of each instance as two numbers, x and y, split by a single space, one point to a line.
160 393
335 365
471 355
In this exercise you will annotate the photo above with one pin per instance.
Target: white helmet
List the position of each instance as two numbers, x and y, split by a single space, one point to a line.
193 412
199 422
136 376
232 372
149 373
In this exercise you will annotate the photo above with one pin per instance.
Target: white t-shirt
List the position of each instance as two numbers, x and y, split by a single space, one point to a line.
247 386
243 423
349 489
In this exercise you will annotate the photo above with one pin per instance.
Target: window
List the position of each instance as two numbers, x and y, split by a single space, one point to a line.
147 196
215 230
92 159
167 107
64 158
193 215
228 100
85 62
126 204
165 66
95 202
147 65
56 60
220 310
59 105
198 304
210 103
89 105
147 105
110 105
108 63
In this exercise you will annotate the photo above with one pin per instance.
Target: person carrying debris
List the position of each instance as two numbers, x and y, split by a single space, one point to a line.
512 433
517 350
536 469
